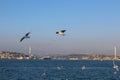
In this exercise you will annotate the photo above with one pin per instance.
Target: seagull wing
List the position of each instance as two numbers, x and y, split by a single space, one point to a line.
27 34
22 39
63 31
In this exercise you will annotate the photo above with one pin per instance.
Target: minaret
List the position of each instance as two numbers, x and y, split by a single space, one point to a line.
115 52
30 51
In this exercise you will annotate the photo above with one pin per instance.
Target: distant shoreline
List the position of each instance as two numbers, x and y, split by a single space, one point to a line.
20 56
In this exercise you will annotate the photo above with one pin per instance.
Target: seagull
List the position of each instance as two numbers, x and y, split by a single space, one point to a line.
115 66
83 67
59 67
43 74
61 32
26 36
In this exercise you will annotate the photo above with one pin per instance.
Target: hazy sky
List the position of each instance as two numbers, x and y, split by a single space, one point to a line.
93 26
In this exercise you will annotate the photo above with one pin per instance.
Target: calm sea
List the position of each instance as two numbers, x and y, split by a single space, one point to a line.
57 70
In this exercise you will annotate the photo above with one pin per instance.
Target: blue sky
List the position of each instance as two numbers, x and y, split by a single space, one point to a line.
92 26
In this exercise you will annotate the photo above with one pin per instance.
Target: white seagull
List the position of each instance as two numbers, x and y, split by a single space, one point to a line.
25 36
83 67
61 32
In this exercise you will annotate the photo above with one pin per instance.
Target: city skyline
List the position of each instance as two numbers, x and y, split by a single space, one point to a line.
92 26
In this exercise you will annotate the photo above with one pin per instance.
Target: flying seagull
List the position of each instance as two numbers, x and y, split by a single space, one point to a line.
25 36
61 32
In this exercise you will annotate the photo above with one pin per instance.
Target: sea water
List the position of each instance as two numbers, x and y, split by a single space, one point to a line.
58 70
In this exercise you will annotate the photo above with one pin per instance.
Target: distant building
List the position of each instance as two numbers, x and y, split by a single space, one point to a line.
46 58
107 58
19 58
85 58
73 58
